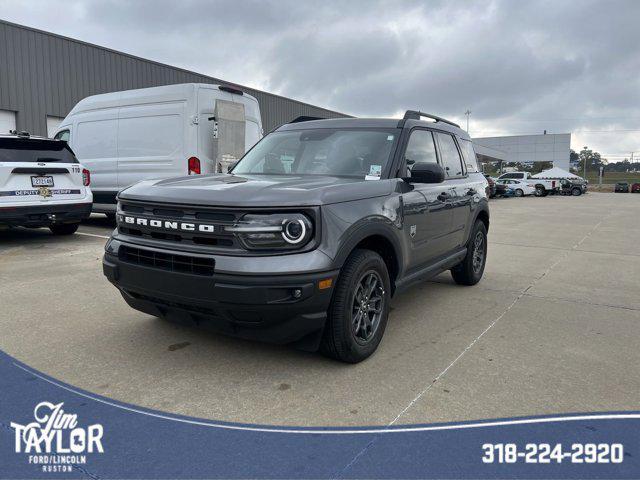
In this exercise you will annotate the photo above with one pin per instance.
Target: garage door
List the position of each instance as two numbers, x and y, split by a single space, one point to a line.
52 125
7 121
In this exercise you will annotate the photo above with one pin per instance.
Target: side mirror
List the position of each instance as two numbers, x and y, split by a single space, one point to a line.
426 173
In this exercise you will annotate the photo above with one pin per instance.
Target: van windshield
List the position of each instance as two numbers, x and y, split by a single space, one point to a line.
362 153
32 151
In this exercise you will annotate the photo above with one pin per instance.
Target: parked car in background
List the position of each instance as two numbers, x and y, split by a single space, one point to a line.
571 187
542 187
491 188
501 188
172 130
635 188
622 187
42 184
519 187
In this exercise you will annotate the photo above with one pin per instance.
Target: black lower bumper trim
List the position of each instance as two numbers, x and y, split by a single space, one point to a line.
44 215
277 309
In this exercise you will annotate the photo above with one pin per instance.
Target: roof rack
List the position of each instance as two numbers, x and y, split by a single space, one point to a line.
22 133
304 118
416 114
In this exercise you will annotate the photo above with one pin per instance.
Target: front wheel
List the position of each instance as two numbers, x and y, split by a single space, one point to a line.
359 309
470 270
576 192
519 193
64 228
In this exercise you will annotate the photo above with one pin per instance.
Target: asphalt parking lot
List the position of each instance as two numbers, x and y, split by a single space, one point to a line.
552 328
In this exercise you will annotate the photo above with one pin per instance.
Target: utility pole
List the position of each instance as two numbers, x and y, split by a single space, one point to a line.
468 113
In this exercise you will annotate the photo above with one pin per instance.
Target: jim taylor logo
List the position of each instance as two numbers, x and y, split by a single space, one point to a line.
168 224
55 440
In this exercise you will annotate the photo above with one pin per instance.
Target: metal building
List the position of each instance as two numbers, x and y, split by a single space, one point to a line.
43 75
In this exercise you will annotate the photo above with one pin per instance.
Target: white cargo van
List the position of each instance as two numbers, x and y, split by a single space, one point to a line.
124 137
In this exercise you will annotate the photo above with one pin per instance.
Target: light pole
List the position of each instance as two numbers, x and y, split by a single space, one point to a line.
468 114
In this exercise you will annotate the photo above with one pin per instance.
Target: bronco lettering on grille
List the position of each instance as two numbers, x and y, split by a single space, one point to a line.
168 224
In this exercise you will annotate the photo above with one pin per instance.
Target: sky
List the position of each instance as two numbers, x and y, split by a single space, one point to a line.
520 67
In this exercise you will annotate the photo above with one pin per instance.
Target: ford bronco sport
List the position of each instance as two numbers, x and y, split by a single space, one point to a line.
310 235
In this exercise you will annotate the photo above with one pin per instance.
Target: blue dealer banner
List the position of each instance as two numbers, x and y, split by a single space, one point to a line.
52 430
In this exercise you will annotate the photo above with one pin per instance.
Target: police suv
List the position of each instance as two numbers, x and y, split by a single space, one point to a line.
42 184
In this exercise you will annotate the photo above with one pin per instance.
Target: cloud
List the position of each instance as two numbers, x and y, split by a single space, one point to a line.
520 67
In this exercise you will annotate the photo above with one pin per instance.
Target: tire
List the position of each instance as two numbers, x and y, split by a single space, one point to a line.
519 192
469 272
576 192
343 339
64 228
540 192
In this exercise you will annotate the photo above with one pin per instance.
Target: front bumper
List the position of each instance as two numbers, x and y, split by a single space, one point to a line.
257 307
44 215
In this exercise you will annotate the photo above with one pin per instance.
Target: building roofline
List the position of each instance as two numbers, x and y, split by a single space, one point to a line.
522 135
166 65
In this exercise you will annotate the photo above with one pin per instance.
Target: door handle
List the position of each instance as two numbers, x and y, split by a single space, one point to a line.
444 196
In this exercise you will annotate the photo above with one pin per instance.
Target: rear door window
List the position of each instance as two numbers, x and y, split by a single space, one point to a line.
469 155
451 161
33 151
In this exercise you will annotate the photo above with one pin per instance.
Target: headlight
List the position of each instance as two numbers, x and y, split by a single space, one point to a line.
276 231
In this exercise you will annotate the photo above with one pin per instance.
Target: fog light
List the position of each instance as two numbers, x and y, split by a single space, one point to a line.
297 293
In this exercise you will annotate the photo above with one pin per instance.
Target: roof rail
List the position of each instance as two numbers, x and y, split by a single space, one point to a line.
416 114
305 118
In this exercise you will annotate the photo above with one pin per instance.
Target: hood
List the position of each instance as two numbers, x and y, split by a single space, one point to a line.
256 190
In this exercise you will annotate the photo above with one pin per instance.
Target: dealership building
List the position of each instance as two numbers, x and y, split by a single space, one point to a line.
554 147
43 75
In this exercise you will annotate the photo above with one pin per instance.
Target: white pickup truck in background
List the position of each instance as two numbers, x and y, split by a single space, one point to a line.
543 187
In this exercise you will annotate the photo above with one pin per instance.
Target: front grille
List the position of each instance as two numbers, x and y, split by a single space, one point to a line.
167 261
220 218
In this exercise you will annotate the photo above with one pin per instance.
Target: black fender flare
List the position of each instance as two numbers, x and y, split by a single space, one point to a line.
368 229
482 209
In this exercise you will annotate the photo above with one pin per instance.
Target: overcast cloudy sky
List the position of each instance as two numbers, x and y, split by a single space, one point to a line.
519 66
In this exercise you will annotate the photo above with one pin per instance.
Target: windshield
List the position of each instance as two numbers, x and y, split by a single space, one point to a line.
32 151
362 153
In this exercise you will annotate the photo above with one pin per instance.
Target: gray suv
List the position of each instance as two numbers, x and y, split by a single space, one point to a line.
310 235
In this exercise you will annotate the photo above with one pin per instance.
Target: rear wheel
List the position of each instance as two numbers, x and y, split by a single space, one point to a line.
470 270
540 191
359 309
64 228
